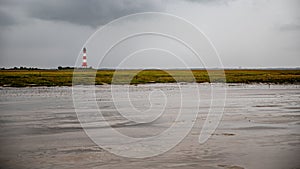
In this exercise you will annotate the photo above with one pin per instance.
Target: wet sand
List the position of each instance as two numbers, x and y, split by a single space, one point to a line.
259 129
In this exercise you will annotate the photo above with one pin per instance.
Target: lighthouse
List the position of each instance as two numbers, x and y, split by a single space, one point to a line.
84 63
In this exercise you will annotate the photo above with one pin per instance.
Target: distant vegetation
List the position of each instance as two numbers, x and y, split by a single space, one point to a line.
63 76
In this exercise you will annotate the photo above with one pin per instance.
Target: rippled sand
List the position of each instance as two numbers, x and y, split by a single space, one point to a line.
260 129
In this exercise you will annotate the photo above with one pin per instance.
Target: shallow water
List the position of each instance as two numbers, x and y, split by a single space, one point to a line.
259 129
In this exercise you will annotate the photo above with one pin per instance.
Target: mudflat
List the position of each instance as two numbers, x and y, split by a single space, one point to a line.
259 129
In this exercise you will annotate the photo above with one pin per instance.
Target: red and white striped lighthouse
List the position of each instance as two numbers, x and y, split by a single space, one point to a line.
84 63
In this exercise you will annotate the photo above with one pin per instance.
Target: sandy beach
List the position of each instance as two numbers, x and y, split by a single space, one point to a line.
259 129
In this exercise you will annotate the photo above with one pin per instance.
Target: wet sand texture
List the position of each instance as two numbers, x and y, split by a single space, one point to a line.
260 129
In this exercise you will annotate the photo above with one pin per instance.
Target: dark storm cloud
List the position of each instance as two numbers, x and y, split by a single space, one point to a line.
92 13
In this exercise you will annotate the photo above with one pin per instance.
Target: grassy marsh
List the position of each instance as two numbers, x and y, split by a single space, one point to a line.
22 78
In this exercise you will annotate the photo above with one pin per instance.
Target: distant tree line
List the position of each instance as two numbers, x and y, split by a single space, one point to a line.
64 68
68 67
21 68
34 68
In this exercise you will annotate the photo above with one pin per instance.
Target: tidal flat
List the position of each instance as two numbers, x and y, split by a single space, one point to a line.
260 128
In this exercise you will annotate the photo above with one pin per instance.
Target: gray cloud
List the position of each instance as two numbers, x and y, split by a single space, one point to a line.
211 2
290 27
6 19
92 13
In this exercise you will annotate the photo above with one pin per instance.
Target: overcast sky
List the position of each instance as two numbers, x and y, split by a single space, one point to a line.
246 33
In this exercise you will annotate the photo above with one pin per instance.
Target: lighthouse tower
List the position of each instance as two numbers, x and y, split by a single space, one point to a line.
84 63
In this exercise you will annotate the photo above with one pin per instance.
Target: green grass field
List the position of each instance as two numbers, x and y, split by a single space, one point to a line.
22 78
